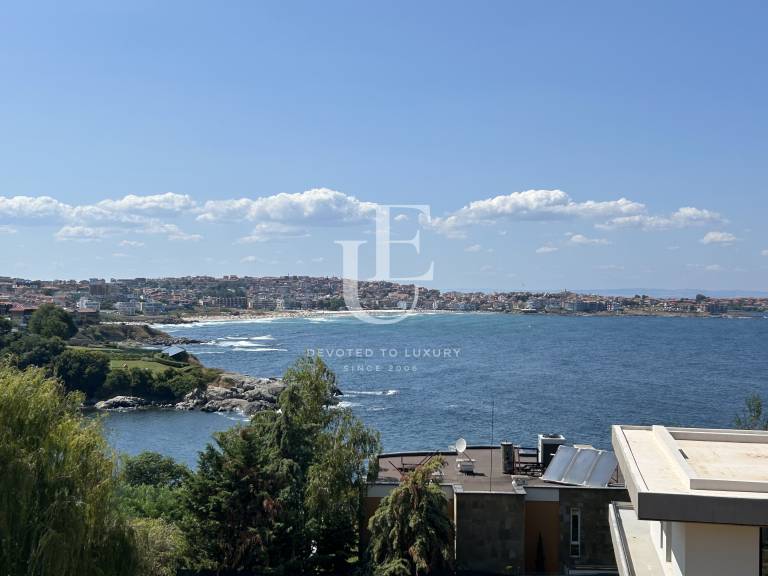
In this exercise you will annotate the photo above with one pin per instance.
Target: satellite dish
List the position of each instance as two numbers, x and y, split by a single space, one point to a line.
461 445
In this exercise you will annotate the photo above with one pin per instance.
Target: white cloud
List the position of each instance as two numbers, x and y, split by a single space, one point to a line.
268 231
32 208
155 204
82 233
131 243
718 238
473 248
546 249
683 218
764 252
318 260
581 240
538 205
249 259
7 230
319 206
401 218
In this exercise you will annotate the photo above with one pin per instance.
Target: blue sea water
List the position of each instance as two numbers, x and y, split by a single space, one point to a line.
431 378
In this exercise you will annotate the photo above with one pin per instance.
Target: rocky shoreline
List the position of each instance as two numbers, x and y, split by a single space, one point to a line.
231 392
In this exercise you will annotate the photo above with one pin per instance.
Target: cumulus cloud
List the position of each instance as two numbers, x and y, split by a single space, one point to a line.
82 234
581 240
401 218
682 218
319 206
725 238
267 231
532 205
473 248
546 249
131 243
22 208
141 213
7 230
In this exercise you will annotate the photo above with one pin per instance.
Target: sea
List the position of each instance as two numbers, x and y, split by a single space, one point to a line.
430 379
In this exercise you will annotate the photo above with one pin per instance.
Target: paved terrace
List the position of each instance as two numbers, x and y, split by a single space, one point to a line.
487 475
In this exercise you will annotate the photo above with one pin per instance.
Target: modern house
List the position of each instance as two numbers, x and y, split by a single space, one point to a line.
514 515
699 498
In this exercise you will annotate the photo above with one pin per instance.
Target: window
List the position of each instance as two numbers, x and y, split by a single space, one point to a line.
575 532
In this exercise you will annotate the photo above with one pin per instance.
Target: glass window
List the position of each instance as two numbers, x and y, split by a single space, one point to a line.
575 532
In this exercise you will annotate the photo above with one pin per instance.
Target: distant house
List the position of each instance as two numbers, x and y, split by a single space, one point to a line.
174 352
21 313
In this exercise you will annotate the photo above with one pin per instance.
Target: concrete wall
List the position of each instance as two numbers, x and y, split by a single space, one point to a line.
490 532
688 548
596 544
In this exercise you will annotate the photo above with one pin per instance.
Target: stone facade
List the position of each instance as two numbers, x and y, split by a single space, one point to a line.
490 532
596 549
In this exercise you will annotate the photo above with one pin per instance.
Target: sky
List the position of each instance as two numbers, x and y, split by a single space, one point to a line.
579 145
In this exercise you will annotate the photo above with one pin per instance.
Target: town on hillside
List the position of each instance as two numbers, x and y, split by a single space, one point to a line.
120 299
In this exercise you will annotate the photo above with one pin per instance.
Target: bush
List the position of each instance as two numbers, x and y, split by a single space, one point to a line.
82 370
162 546
51 321
34 350
153 469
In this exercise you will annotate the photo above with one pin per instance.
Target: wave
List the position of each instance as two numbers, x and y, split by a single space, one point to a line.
370 392
265 337
261 350
235 344
345 404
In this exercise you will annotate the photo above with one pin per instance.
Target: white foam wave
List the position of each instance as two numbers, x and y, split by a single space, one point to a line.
261 350
370 392
345 404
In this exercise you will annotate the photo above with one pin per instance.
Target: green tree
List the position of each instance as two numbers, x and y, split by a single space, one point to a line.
82 370
58 512
235 501
34 350
752 417
51 321
154 469
411 532
284 494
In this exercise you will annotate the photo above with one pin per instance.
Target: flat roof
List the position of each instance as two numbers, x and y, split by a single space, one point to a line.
488 473
695 474
486 477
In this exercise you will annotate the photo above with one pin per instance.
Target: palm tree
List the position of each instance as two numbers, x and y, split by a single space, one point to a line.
411 532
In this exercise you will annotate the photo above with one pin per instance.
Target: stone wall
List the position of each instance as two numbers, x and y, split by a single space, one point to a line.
596 545
490 532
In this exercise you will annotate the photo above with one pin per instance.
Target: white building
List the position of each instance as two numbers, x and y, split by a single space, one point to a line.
126 308
88 304
699 499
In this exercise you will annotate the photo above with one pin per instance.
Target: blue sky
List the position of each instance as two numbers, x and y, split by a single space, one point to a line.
579 145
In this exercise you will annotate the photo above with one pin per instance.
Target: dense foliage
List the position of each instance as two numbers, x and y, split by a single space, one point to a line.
51 321
411 531
283 494
58 511
82 370
168 385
